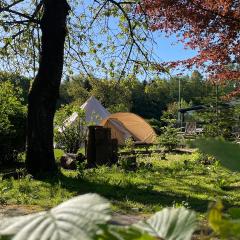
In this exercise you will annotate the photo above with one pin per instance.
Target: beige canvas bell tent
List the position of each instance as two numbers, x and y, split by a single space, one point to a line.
94 112
125 125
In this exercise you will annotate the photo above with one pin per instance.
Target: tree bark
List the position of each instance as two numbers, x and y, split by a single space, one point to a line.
45 89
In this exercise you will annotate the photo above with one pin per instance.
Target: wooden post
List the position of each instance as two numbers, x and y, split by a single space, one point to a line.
103 146
101 149
91 146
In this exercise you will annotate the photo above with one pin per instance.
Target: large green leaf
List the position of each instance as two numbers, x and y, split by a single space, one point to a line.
77 218
111 232
170 224
226 226
227 153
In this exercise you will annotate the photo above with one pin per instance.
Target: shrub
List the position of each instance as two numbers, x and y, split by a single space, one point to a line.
203 158
12 123
70 135
81 166
128 163
129 144
218 123
18 81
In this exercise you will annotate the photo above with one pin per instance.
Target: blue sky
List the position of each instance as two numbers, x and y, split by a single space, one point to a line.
169 50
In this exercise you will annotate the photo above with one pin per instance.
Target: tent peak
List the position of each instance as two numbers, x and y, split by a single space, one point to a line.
94 110
92 99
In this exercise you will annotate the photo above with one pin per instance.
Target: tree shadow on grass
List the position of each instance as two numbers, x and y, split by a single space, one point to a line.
131 192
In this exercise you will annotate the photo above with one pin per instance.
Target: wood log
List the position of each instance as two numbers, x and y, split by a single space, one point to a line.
68 161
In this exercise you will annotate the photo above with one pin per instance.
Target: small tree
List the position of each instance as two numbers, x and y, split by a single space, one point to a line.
169 138
70 131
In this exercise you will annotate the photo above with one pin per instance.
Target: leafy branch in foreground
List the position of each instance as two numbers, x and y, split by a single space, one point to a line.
228 153
86 217
77 218
170 224
227 226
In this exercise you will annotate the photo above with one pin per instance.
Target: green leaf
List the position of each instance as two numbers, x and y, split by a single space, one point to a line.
77 218
170 224
215 216
227 153
227 227
7 40
234 213
5 237
122 233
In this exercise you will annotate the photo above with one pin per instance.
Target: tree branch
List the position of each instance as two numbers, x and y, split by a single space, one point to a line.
216 13
10 5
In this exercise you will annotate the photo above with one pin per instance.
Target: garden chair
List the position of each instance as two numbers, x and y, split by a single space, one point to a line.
190 129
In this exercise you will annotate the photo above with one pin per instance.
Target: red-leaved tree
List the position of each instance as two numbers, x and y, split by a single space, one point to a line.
210 26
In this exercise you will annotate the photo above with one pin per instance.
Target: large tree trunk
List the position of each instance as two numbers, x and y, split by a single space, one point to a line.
45 89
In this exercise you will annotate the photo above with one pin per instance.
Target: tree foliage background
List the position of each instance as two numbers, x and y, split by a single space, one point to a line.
110 40
146 98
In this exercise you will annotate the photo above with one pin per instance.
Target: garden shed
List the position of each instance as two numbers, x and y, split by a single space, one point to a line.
125 125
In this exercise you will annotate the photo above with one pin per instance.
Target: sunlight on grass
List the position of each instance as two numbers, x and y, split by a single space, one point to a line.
178 181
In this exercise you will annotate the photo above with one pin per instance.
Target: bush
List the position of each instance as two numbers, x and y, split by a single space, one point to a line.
221 129
12 123
70 135
19 82
129 144
218 122
203 158
128 163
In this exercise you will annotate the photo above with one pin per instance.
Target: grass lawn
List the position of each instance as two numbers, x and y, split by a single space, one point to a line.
178 181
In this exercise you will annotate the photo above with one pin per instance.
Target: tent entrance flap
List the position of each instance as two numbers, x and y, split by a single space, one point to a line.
118 131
